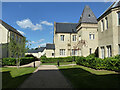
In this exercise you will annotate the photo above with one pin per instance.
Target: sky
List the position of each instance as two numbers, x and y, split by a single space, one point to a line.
35 20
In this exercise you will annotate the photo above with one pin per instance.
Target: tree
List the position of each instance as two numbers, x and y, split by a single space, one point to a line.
79 45
17 49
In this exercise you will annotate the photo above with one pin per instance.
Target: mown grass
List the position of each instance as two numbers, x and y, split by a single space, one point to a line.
83 77
13 77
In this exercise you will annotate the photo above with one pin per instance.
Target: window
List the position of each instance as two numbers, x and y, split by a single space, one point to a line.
119 18
12 36
106 19
79 37
80 52
16 38
74 37
62 37
102 26
102 52
52 54
90 50
119 49
19 40
74 52
91 36
62 51
109 52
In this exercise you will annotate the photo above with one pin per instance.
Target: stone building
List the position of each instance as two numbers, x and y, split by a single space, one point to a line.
90 35
7 32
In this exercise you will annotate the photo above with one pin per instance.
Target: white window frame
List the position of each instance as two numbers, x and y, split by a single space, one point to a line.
74 52
62 52
74 37
91 36
109 51
62 37
106 21
102 52
79 37
102 25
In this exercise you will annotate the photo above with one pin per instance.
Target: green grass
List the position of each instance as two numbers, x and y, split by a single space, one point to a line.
83 77
13 77
61 63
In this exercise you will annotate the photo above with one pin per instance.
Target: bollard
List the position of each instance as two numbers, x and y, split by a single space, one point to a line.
34 64
58 63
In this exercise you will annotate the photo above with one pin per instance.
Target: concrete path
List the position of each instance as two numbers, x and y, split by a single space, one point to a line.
46 76
37 64
69 65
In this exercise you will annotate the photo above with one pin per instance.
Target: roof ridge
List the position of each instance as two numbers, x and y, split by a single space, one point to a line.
2 22
65 23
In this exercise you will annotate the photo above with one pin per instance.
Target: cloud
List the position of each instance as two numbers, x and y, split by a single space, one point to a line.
42 45
37 42
21 32
46 23
27 23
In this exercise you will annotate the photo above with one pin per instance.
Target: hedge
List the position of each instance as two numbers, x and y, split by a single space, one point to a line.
112 63
12 61
44 59
8 61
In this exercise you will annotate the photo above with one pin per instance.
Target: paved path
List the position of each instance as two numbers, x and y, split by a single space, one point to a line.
37 63
46 76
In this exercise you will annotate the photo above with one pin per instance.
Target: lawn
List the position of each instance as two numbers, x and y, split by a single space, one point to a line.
13 77
83 77
61 63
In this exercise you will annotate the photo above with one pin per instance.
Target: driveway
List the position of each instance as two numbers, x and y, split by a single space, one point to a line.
46 76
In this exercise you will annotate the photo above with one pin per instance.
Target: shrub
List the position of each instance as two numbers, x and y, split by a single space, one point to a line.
9 61
111 63
44 59
12 61
26 60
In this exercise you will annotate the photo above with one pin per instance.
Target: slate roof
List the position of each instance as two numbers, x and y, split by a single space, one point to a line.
88 16
113 5
41 49
10 28
66 27
50 46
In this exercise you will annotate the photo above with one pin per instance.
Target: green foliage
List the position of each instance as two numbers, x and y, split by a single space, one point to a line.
26 60
9 61
111 63
12 61
44 59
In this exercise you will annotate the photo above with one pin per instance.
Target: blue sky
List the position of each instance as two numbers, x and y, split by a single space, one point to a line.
36 20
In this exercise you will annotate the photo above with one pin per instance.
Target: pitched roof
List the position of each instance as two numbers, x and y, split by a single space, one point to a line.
10 28
41 49
50 46
66 27
88 16
113 5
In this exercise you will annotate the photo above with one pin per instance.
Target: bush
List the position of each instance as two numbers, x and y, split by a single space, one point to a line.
12 61
26 60
44 59
9 61
112 63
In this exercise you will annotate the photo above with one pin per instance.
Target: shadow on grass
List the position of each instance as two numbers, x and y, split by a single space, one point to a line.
81 78
9 82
